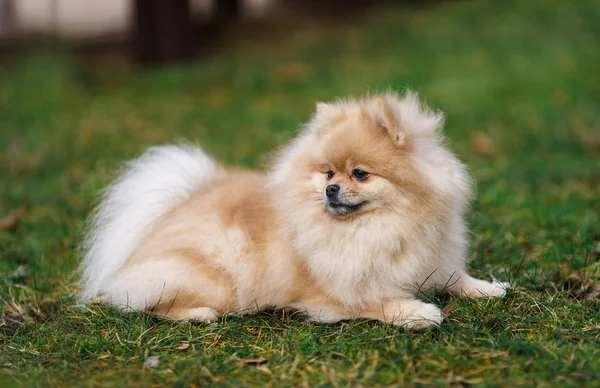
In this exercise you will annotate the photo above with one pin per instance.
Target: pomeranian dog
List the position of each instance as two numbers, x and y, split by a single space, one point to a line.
360 214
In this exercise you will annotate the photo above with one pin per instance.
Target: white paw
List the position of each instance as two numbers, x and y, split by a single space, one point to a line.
421 316
492 289
202 314
476 288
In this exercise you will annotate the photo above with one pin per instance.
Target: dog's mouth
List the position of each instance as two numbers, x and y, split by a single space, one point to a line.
343 208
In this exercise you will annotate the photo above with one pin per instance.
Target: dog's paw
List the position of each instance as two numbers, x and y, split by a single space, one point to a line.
202 315
427 315
490 289
500 288
417 315
476 288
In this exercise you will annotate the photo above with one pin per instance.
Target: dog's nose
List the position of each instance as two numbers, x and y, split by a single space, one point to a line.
332 190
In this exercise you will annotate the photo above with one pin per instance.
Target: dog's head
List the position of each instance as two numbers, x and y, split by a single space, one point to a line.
365 157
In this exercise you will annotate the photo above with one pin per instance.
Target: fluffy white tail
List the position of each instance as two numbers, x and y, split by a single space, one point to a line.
157 181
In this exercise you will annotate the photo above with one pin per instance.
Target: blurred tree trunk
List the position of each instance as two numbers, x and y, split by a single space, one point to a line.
227 11
163 31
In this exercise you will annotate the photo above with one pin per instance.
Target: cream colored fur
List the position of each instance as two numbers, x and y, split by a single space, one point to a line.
179 236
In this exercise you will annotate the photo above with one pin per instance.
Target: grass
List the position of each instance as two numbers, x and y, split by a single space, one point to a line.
520 85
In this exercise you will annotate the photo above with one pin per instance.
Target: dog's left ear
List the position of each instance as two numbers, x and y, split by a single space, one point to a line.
326 115
389 120
326 112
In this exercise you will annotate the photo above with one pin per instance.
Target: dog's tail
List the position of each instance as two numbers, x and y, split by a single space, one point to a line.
147 189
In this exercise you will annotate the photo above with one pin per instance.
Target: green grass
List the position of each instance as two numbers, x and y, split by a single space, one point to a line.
524 74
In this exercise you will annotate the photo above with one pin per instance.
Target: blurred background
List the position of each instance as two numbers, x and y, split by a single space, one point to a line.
87 84
156 30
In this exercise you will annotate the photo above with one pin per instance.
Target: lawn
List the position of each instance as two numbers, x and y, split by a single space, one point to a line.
520 84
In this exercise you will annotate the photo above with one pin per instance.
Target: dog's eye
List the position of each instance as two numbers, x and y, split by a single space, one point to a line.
360 175
330 174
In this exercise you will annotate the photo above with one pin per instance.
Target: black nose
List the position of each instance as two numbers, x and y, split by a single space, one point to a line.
332 190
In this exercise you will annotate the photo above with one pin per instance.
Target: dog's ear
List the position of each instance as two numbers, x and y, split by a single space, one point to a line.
326 115
325 109
327 112
389 120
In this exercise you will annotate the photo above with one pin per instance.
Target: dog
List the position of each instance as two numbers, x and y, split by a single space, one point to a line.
362 212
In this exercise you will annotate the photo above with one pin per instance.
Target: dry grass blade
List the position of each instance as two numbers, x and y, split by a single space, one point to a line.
251 361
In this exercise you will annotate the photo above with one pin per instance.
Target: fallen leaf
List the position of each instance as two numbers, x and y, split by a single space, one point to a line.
251 361
151 362
446 312
11 221
482 144
182 346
